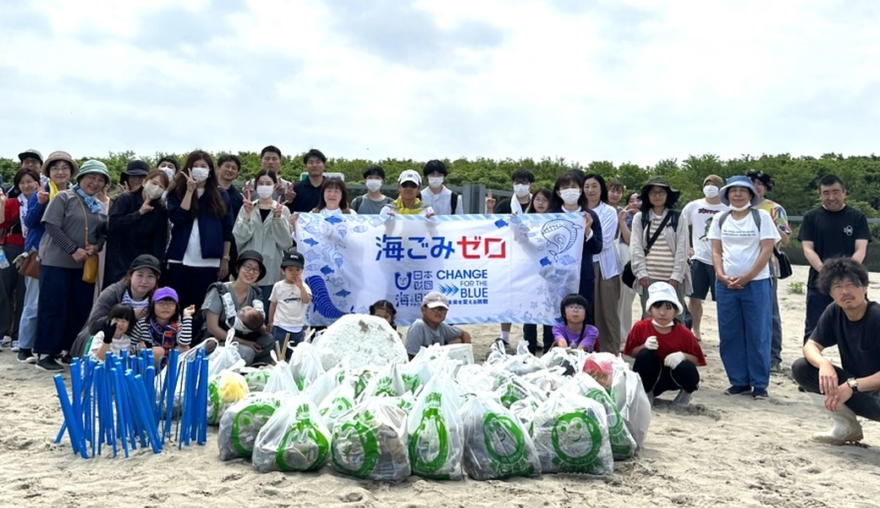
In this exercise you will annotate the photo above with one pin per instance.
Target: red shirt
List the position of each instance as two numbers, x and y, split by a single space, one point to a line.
678 339
12 212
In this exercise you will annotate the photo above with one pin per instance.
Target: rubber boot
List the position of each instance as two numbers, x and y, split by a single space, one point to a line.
846 426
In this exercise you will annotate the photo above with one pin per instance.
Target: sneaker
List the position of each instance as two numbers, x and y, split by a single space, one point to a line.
760 394
26 356
66 359
738 390
775 367
14 347
683 399
49 364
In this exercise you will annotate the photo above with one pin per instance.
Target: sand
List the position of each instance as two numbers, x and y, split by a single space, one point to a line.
723 451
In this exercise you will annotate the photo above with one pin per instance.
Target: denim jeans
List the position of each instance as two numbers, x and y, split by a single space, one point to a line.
27 330
817 302
744 329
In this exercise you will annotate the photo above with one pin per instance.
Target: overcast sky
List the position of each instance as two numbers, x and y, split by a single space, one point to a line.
635 80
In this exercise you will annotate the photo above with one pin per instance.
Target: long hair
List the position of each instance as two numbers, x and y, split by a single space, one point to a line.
212 197
568 178
646 207
603 188
333 183
547 194
156 173
384 305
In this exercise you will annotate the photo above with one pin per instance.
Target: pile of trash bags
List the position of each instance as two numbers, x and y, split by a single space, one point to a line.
439 416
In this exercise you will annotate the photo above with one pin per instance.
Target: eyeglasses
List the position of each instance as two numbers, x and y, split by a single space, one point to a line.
250 268
60 168
657 193
574 307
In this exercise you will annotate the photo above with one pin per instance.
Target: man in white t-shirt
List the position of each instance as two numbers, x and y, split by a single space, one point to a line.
699 214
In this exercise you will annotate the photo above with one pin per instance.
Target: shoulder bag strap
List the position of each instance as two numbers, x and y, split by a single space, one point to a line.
85 216
656 233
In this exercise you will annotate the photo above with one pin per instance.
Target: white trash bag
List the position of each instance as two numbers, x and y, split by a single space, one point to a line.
386 383
294 439
305 363
623 446
340 401
436 441
571 435
496 445
632 402
370 442
241 424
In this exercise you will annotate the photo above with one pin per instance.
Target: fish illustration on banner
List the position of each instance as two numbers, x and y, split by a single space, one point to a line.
492 268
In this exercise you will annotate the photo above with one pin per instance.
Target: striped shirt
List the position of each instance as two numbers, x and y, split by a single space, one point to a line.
660 260
142 334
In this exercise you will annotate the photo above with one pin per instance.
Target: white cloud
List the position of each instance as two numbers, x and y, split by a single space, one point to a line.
635 81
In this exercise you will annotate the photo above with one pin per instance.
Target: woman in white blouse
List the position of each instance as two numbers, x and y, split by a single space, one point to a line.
263 226
606 266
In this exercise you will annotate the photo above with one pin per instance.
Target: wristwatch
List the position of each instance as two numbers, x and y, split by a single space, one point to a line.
853 384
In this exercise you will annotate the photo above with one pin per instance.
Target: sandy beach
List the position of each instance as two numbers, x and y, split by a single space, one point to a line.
722 451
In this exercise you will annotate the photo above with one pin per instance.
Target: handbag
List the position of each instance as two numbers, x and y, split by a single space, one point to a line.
628 277
785 270
30 267
90 266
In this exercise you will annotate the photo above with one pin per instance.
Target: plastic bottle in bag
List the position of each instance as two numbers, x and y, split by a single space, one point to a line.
571 435
496 445
436 441
370 442
294 439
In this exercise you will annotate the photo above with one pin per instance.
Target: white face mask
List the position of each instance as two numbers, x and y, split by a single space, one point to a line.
435 182
374 185
521 190
570 196
710 191
265 191
658 325
169 172
200 174
741 208
153 191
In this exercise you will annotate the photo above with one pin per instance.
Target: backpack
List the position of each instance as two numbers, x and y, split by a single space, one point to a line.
453 201
756 216
199 324
785 270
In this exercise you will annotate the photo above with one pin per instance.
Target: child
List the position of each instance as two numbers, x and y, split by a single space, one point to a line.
385 310
666 353
574 331
113 335
287 307
431 329
162 329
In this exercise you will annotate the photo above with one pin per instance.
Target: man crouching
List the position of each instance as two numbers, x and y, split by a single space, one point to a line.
852 323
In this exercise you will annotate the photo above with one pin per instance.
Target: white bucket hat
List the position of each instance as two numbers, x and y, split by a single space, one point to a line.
663 292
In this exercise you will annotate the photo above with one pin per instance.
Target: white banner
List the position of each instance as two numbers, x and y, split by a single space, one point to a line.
492 268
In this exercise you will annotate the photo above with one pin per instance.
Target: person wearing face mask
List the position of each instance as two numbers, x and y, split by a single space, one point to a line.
541 201
764 183
442 200
568 197
699 215
742 243
201 236
666 353
263 226
521 202
522 195
170 167
305 195
138 225
76 228
373 202
659 241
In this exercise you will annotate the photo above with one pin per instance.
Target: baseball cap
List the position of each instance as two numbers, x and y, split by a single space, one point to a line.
146 261
165 294
30 153
293 258
434 299
410 176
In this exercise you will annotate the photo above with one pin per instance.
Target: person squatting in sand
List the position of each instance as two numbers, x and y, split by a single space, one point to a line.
431 329
852 323
666 353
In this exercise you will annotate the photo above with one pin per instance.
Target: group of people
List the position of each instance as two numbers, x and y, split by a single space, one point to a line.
183 254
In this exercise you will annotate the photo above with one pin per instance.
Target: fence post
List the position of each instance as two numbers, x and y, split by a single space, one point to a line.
473 200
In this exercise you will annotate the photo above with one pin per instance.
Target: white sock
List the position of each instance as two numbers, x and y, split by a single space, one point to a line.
505 336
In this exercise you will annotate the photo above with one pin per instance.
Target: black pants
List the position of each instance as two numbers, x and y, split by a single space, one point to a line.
658 378
191 283
864 404
65 303
11 294
530 333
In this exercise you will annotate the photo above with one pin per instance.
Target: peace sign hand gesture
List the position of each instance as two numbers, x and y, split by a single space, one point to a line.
279 208
490 202
248 203
191 183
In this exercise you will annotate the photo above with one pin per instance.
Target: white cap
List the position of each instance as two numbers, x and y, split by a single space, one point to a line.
410 176
435 299
663 292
